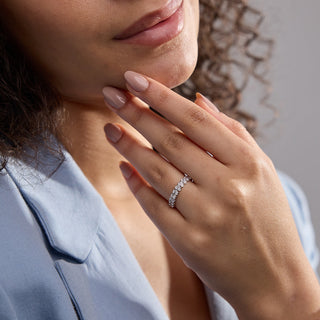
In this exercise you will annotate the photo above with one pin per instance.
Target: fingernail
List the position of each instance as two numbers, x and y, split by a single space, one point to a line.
113 132
114 97
126 170
136 81
208 102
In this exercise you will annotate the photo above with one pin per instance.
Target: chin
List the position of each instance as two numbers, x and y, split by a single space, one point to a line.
172 63
174 69
176 62
175 74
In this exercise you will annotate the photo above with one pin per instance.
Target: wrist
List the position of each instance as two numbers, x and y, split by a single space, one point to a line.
295 299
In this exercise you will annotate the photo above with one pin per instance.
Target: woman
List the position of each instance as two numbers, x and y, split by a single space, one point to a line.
75 243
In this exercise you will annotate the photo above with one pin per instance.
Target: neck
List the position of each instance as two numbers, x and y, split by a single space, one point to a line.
84 138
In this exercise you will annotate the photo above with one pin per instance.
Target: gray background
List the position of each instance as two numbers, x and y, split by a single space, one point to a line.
293 141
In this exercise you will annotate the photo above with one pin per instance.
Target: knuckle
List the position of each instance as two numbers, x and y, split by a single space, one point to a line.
246 152
237 195
251 160
197 242
173 140
237 127
196 116
135 115
250 157
155 175
259 165
162 97
268 162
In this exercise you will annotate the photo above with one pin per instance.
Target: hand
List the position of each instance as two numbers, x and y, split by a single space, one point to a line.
232 225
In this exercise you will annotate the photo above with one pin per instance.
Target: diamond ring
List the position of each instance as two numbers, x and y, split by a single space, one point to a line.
175 192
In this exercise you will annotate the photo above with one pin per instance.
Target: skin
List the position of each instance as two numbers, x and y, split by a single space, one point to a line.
228 209
86 59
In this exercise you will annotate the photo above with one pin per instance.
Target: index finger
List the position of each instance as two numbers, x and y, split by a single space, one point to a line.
197 124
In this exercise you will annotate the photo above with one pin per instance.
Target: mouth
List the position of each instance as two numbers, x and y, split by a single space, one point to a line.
156 27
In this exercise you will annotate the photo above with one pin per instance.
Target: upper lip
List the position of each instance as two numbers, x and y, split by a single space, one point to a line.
150 19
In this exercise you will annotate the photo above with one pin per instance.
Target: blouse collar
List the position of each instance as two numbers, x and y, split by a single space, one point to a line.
66 204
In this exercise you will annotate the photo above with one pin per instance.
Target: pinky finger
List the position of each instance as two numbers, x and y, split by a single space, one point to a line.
235 126
169 221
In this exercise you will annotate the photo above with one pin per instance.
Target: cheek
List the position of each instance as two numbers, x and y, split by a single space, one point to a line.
61 37
103 63
75 51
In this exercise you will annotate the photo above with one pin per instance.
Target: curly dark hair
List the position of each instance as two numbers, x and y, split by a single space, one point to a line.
229 40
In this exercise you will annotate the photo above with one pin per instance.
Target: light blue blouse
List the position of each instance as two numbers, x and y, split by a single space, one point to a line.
64 257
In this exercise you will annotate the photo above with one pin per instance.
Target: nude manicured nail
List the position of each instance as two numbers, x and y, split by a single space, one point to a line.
113 132
208 103
136 81
114 97
126 170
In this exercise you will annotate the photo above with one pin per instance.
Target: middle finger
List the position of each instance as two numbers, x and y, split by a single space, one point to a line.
165 137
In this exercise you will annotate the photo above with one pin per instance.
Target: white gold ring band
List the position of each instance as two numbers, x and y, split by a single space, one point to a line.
175 192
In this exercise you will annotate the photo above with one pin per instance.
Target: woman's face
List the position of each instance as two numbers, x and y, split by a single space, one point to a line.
73 42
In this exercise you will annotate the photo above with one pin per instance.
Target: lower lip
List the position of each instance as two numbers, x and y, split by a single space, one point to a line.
161 32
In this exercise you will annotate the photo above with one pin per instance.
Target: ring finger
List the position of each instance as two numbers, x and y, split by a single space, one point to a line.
160 174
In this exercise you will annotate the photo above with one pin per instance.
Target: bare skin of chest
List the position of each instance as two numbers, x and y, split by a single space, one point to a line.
177 287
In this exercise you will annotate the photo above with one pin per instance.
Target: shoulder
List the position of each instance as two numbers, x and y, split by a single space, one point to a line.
301 214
